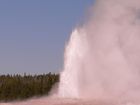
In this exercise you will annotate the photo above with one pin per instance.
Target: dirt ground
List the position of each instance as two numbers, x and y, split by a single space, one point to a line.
58 101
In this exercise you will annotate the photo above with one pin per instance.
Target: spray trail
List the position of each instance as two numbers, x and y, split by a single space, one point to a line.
102 58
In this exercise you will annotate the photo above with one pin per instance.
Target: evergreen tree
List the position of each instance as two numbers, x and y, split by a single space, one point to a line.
13 87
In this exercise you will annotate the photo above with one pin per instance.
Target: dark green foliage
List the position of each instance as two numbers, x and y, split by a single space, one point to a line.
17 87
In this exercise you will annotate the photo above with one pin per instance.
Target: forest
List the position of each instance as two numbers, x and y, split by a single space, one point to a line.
21 87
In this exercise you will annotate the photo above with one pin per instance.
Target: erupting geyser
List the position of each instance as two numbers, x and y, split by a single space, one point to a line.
102 58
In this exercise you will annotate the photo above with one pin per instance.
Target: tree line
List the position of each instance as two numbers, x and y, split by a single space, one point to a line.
18 87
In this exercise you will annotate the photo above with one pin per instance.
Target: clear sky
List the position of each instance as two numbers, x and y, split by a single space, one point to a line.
33 33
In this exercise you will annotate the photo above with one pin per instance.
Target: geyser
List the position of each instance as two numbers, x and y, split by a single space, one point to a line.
102 58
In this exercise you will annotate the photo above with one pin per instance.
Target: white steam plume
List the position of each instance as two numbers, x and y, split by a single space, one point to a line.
102 59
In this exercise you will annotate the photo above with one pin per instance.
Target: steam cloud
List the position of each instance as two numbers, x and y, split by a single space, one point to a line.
102 58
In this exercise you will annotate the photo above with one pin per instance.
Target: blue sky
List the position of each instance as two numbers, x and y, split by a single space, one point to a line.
33 33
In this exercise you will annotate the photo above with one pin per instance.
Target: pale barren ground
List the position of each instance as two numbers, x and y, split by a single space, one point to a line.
57 101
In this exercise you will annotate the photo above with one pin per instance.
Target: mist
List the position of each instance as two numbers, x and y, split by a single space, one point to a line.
102 59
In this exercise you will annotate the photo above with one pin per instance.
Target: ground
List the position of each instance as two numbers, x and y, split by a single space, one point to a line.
58 101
